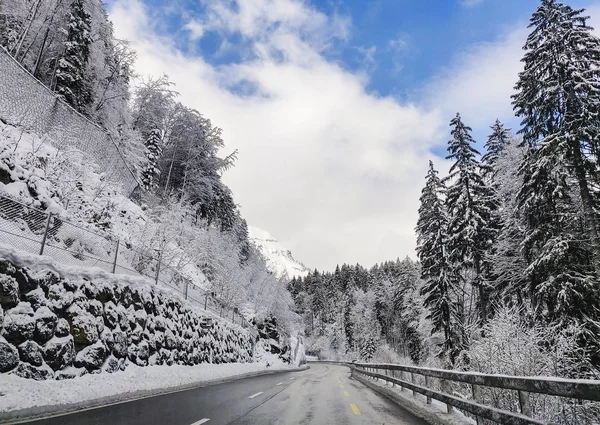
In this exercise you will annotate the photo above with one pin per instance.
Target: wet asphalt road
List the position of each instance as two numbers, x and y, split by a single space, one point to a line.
324 394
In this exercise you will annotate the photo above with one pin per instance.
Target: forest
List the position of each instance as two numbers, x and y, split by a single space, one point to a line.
507 277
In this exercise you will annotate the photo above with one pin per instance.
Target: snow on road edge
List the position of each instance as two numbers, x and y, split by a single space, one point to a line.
18 393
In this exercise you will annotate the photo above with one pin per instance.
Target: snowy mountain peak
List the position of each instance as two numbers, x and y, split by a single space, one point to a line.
279 259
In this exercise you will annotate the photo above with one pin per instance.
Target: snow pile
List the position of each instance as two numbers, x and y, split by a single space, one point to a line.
279 259
124 384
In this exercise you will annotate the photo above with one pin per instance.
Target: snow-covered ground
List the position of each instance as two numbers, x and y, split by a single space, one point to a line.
17 393
279 259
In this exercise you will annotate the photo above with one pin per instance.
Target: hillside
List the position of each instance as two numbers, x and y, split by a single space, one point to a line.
279 259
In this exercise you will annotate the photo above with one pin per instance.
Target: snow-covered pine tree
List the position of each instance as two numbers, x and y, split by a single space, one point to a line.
70 80
558 98
471 204
440 284
150 173
494 146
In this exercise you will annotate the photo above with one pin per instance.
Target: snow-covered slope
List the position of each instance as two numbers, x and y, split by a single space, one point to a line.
279 259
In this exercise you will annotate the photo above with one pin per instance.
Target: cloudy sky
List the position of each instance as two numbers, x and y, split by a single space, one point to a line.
335 106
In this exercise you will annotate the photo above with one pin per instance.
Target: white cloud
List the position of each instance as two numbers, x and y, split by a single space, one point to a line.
332 171
196 29
470 3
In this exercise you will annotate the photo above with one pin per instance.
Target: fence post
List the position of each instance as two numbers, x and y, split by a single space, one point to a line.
427 385
116 255
476 398
524 403
158 267
45 234
445 385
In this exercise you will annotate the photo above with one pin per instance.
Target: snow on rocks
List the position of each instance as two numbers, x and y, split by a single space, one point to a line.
64 325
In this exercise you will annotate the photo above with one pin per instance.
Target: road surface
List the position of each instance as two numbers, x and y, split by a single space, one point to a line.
324 394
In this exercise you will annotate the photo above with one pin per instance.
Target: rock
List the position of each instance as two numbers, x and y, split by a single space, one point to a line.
105 293
1 319
91 357
9 356
45 278
95 308
45 324
99 324
143 350
107 338
26 284
120 343
36 298
28 371
9 291
170 341
111 315
111 365
59 298
136 334
153 360
31 352
71 372
73 285
159 339
6 267
140 317
19 323
123 363
84 329
59 352
62 328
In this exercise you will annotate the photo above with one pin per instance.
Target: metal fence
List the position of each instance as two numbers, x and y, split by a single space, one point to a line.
27 103
35 231
512 400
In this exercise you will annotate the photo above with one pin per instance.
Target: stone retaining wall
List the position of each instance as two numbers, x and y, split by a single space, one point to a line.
51 327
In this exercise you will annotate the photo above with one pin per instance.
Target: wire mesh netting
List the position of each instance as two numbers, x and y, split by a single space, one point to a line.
29 229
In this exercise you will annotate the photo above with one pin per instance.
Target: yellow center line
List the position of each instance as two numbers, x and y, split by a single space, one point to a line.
342 387
346 393
355 409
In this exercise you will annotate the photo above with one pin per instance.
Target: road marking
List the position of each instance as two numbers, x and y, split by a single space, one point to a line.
256 395
201 421
281 383
355 409
342 387
292 378
346 393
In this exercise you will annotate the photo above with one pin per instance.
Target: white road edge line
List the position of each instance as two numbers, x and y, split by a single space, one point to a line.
254 395
291 378
201 421
281 383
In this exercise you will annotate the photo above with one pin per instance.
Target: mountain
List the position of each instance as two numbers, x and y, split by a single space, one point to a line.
279 258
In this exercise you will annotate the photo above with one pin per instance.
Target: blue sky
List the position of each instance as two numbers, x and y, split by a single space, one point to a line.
335 106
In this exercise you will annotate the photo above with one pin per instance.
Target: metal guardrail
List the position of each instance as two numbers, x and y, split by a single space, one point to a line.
30 229
578 389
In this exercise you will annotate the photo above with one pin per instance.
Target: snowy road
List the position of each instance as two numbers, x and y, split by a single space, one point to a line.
324 394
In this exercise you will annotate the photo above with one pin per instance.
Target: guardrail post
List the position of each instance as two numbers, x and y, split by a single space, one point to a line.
45 234
116 255
412 379
205 301
402 379
427 385
524 403
445 386
187 284
476 398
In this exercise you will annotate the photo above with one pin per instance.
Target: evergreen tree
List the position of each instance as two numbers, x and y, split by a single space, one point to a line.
558 99
440 284
151 173
70 78
494 146
470 204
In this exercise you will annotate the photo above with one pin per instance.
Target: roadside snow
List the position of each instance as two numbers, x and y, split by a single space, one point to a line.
17 393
